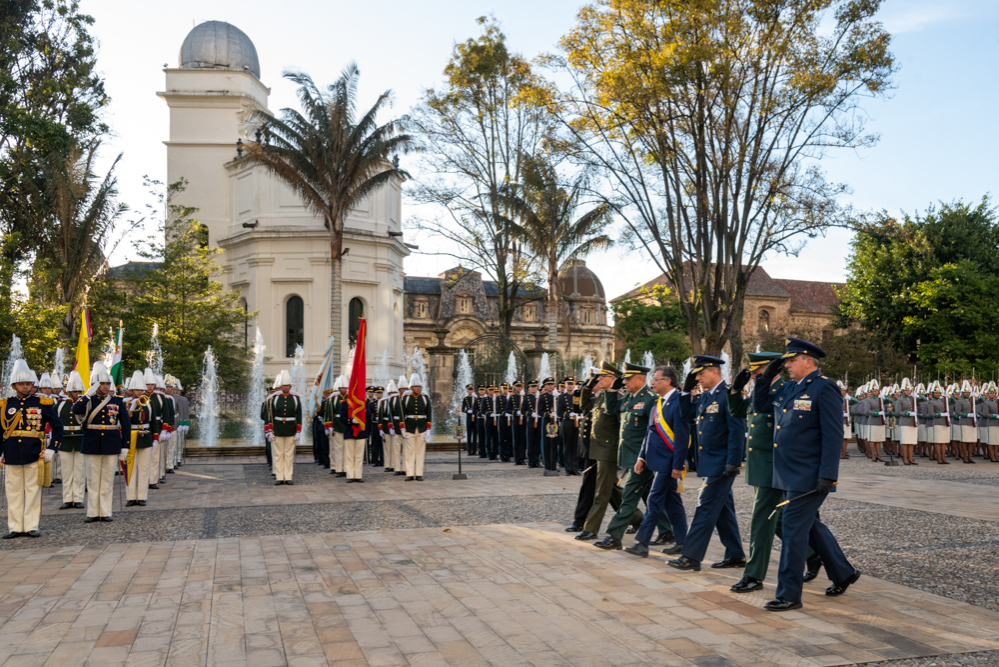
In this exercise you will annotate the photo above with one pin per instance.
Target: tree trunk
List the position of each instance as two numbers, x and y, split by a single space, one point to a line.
336 302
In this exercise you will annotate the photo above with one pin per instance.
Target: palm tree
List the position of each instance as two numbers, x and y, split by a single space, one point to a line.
545 208
332 158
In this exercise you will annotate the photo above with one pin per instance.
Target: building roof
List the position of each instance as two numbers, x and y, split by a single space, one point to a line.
219 45
576 280
421 285
811 296
131 270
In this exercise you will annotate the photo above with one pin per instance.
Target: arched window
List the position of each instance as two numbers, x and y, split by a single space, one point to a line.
528 313
464 304
294 324
355 313
764 321
203 236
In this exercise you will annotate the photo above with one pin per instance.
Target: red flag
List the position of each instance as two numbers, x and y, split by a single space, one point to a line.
356 394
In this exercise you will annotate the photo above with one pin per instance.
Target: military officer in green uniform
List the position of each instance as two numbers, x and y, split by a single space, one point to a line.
74 476
418 417
601 396
283 428
635 409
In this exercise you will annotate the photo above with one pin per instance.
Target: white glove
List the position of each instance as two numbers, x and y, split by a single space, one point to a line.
165 435
329 432
470 412
298 436
391 431
154 445
47 455
93 389
534 414
123 455
269 436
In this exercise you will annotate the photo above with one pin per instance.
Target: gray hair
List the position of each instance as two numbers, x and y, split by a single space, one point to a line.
669 373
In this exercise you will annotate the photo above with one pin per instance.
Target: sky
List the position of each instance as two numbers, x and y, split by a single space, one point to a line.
937 129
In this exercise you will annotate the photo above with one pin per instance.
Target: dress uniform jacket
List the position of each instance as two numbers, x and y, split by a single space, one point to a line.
390 415
468 411
418 413
284 414
605 419
350 433
106 427
904 416
22 428
936 409
720 436
72 425
141 418
635 410
961 409
759 445
167 416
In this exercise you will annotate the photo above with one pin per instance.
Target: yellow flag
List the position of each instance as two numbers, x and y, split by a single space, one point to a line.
82 348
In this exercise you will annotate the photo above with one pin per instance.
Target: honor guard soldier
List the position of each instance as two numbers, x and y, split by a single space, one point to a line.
74 481
167 439
635 407
418 416
481 419
550 437
325 429
284 428
721 439
46 470
23 418
492 423
140 414
333 419
807 436
390 420
908 422
183 409
58 395
468 410
377 454
991 414
966 433
106 434
938 416
161 432
355 436
504 410
567 410
533 429
518 430
601 397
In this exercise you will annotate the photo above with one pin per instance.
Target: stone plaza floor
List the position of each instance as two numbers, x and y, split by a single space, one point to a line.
468 586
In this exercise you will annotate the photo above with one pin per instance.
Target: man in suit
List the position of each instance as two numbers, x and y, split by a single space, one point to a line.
664 453
807 440
721 439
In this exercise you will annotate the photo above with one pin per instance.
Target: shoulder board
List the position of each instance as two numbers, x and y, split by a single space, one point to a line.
46 401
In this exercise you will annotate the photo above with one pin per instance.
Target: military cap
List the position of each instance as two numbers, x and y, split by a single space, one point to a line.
518 383
796 346
635 369
532 383
369 388
758 360
702 361
482 386
569 378
492 387
470 387
607 368
549 381
379 390
504 385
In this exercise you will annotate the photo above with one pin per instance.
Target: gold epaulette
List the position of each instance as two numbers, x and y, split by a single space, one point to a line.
46 401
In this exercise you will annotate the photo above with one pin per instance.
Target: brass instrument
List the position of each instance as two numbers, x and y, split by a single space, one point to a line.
143 400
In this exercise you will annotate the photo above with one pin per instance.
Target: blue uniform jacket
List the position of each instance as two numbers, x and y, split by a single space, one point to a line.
656 452
808 433
22 448
107 431
721 438
348 425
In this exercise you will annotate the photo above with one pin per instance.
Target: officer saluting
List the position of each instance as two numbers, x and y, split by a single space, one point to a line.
807 439
23 417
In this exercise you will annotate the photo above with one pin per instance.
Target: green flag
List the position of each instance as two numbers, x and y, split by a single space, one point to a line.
116 371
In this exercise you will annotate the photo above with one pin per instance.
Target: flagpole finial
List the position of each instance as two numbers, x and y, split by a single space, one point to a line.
121 324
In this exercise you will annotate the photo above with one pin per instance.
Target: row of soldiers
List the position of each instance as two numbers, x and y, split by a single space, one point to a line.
92 429
389 430
959 421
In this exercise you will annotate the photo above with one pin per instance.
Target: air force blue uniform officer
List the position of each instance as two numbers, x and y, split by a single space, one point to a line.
721 439
808 436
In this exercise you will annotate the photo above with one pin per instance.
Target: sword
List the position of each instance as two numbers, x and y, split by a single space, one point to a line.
779 505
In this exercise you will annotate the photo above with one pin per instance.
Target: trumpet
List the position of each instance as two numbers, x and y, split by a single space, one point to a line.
142 401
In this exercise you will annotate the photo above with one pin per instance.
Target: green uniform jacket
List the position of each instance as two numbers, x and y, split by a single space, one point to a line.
156 421
390 415
333 412
167 416
606 422
760 444
72 429
418 412
142 421
635 412
284 413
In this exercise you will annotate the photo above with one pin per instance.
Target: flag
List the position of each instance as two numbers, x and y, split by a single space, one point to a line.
356 394
82 365
116 361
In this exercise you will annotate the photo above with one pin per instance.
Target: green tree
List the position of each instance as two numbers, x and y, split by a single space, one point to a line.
652 321
708 120
333 159
545 216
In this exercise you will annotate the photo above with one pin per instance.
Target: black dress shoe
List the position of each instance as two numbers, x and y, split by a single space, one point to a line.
154 486
610 544
350 481
812 567
729 562
674 550
780 604
288 482
278 483
389 469
839 589
419 478
57 480
359 480
141 503
91 519
586 535
664 538
410 479
169 472
66 506
684 563
341 474
130 503
162 479
33 533
747 584
78 506
11 535
400 472
107 519
638 549
574 528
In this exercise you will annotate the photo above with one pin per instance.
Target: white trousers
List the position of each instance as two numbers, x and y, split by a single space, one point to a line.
283 455
154 462
138 480
337 454
74 477
24 498
56 468
416 452
100 483
168 452
353 457
178 449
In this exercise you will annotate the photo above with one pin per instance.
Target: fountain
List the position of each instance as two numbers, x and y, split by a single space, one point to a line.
511 369
382 375
154 357
544 369
627 356
584 369
208 410
15 353
107 350
298 386
726 369
649 363
59 365
455 417
254 430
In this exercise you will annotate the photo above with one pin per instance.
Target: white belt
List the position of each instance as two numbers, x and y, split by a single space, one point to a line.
424 416
285 419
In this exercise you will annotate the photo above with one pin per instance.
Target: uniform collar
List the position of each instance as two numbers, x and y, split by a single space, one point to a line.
666 396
